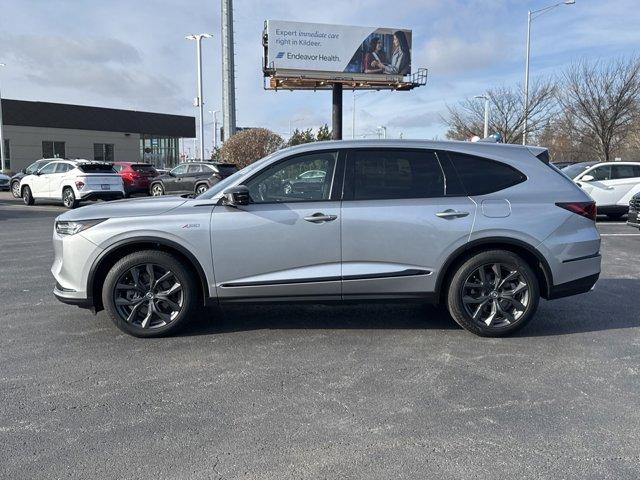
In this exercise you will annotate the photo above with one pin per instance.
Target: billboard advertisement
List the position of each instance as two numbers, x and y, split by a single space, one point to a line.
316 47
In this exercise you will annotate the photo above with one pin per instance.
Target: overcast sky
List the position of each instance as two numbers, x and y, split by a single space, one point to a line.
132 54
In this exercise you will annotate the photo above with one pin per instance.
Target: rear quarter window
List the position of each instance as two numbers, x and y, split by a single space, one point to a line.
96 168
480 176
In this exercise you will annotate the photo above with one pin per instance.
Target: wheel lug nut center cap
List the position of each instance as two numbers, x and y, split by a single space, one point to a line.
493 294
149 295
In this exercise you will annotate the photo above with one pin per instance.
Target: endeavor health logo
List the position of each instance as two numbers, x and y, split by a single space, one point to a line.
280 55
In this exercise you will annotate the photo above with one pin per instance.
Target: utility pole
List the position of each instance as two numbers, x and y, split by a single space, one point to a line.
199 101
2 152
214 113
228 72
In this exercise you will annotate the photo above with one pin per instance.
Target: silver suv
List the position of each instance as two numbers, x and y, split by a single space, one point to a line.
484 229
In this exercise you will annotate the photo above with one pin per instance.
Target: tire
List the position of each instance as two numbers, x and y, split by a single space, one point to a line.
201 188
15 189
27 196
157 190
69 198
142 311
473 295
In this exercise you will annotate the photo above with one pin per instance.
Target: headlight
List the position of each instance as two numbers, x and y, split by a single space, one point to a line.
71 228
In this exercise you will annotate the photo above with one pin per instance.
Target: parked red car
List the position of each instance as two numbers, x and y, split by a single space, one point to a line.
135 176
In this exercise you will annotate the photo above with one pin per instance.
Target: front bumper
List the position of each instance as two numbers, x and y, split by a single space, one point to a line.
63 296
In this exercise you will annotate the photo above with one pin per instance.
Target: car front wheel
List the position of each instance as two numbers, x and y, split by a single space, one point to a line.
150 294
493 293
15 189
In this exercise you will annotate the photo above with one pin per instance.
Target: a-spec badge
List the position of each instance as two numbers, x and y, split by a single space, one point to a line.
191 225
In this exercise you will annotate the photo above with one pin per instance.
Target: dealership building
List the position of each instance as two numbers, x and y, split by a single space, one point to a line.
34 130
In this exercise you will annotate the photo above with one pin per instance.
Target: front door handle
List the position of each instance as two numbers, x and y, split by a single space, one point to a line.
610 187
450 213
320 218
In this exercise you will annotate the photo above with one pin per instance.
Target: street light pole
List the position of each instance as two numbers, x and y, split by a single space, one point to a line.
486 114
353 112
530 16
2 152
199 102
382 129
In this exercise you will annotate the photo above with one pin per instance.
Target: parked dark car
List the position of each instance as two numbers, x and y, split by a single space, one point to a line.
634 211
193 177
4 181
34 167
136 177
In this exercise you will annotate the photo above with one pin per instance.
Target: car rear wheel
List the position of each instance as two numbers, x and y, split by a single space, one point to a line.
157 190
27 196
69 198
149 294
200 189
493 293
15 189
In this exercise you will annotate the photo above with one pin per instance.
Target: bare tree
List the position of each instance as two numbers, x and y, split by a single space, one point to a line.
506 104
602 101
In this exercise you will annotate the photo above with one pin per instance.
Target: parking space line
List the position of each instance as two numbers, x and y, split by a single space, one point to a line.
620 234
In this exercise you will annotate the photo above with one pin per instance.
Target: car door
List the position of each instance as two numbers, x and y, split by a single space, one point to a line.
600 187
399 222
40 183
173 182
624 178
57 178
194 173
282 245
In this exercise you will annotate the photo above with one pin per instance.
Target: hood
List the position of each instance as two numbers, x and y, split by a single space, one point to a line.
135 207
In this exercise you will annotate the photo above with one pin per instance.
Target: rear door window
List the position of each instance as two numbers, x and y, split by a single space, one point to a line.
623 171
384 174
480 176
143 167
96 168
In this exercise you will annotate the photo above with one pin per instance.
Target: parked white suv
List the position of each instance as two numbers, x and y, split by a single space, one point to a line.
72 181
610 184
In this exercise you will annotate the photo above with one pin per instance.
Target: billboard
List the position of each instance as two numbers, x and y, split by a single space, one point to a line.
316 47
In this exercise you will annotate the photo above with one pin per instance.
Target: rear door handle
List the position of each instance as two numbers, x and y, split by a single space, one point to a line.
449 213
320 218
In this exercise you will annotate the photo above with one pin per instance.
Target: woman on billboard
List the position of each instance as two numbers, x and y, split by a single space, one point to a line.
400 59
375 58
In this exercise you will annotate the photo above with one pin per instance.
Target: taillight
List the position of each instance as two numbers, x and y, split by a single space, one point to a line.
79 184
584 209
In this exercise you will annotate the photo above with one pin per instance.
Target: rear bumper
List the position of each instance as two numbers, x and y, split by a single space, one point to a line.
102 195
574 287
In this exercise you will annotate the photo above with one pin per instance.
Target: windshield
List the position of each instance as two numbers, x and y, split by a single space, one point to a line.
572 171
36 166
222 184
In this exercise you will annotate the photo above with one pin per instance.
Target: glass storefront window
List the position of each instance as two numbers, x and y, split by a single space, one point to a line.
162 152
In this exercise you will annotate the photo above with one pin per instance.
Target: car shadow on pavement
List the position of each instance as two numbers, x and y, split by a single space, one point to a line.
610 306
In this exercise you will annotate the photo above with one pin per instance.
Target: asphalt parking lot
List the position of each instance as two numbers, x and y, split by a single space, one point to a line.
368 391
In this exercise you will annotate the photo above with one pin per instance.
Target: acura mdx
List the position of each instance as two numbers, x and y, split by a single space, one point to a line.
484 229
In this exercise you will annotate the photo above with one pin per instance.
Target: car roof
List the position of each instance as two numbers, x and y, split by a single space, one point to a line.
472 148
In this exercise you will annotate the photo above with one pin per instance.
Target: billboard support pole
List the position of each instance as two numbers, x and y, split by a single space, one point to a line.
336 117
228 72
